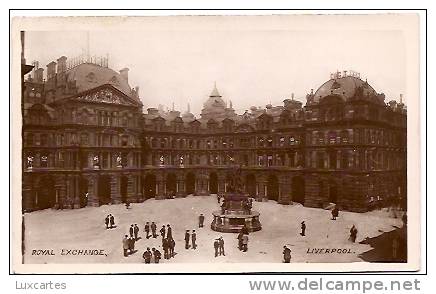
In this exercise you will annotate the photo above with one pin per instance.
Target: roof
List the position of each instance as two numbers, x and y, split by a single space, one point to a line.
343 87
88 76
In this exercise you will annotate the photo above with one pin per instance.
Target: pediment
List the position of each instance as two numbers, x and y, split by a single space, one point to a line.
106 95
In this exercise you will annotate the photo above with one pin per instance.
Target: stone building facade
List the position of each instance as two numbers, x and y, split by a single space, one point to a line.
87 141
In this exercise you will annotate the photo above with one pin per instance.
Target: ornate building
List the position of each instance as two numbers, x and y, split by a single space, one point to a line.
86 141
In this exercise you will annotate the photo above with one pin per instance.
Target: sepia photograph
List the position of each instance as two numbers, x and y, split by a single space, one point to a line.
271 143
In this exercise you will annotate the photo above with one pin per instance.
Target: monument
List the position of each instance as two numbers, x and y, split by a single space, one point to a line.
236 212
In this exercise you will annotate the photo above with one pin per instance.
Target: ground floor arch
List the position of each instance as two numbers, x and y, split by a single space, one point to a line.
298 189
333 192
190 183
272 191
171 184
104 189
45 196
250 185
150 186
213 183
83 191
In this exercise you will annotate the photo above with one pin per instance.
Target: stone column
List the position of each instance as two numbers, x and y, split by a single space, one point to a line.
93 199
131 191
28 201
76 192
181 186
221 184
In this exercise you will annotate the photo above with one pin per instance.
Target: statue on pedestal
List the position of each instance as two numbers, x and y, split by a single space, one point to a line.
119 161
181 160
96 161
29 161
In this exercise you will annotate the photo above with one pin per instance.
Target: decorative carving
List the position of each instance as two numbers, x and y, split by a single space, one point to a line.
29 161
104 96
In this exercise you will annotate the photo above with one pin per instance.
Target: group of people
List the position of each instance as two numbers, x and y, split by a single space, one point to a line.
190 236
150 227
128 245
154 255
218 245
168 243
109 221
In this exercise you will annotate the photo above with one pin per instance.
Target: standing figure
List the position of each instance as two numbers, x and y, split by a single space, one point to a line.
286 254
132 245
106 221
221 247
172 245
245 243
303 229
201 221
169 232
353 233
127 204
153 229
162 231
147 229
156 255
194 238
335 213
166 248
125 245
131 230
147 255
111 221
216 245
136 231
187 235
240 235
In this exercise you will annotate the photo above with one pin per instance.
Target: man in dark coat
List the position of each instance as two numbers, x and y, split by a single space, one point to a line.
111 221
147 255
201 221
136 231
187 237
194 238
147 229
106 221
156 255
172 245
244 243
221 247
132 244
240 235
216 245
125 245
335 213
153 229
162 231
303 229
286 254
353 233
166 248
131 230
169 232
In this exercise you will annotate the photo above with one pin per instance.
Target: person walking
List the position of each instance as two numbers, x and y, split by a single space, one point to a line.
194 238
147 255
169 232
172 245
153 229
136 231
106 221
147 229
201 221
125 245
244 243
156 255
162 231
216 246
286 254
111 221
221 247
131 230
303 229
187 237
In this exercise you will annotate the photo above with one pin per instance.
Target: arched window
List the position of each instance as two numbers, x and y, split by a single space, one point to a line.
332 137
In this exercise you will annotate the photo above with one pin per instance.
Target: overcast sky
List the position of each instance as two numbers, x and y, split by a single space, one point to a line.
251 67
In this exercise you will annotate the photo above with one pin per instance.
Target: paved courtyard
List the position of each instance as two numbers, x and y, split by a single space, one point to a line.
55 230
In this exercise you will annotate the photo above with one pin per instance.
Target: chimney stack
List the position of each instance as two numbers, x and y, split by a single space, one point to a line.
39 75
62 64
51 70
125 74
